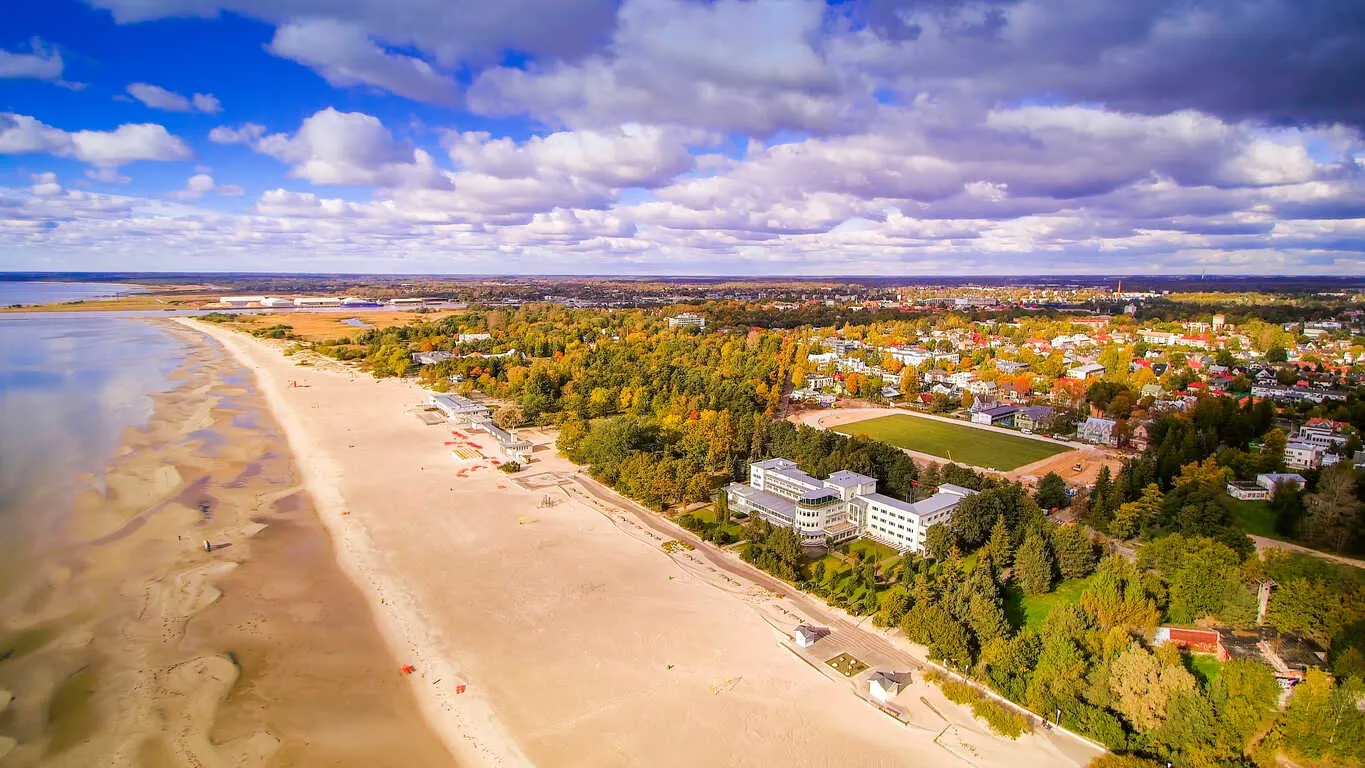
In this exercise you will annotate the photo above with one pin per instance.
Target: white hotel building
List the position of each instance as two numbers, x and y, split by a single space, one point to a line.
840 508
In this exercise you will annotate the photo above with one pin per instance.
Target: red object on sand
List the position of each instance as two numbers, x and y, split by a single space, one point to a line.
459 688
408 669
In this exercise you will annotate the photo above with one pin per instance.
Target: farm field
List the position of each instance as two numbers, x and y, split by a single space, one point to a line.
954 442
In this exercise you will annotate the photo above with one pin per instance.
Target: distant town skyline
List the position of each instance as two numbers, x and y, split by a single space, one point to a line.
672 137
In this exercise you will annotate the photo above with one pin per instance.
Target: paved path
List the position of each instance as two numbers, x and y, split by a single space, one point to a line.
855 635
1263 543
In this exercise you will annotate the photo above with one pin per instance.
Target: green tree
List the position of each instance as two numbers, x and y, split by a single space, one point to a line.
1132 517
939 542
1035 567
999 548
1287 505
1051 493
1143 686
1102 500
1076 552
1322 721
1244 696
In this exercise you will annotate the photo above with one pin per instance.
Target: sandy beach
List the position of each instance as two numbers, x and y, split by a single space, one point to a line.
127 643
578 638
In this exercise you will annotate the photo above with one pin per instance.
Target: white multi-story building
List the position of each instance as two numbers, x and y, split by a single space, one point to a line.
840 508
687 320
1302 456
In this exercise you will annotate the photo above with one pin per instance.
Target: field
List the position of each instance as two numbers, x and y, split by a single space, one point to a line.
955 442
1255 517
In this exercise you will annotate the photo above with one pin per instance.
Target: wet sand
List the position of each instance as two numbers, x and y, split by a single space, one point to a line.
128 644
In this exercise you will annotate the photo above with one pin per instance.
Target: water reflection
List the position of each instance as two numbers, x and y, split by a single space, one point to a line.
68 389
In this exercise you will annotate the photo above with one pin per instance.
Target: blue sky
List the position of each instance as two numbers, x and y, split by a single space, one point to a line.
682 136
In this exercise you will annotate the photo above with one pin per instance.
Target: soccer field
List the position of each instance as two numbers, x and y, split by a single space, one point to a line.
955 442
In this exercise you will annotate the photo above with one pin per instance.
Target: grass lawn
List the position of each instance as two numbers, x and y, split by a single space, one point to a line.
1205 666
1030 610
1255 517
709 515
955 442
878 550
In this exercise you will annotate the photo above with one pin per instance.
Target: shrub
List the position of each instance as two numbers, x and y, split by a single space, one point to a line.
1000 718
510 467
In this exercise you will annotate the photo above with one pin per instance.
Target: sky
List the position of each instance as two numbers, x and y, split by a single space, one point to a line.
684 137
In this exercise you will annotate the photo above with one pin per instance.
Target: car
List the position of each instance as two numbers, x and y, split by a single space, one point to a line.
1027 431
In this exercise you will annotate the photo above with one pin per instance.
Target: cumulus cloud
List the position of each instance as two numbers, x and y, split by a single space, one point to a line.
157 97
348 149
633 155
201 184
21 134
750 65
344 55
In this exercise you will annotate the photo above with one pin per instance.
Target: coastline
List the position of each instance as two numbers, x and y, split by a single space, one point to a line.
469 731
129 642
582 640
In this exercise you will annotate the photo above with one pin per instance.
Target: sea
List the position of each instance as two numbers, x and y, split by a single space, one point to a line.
69 387
29 292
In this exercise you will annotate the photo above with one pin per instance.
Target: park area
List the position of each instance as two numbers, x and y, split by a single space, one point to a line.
955 442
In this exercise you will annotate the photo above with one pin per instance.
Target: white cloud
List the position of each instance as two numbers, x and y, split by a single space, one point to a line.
245 133
42 64
157 97
45 184
351 149
201 184
633 155
344 55
22 134
106 176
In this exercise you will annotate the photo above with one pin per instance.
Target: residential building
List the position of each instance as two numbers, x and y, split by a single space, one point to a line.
1302 456
687 320
1086 371
1097 430
1010 366
1034 418
819 381
840 508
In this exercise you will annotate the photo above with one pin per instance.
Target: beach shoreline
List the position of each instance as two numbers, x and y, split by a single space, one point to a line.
582 638
469 731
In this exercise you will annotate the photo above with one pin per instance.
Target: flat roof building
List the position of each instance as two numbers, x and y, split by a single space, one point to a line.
840 508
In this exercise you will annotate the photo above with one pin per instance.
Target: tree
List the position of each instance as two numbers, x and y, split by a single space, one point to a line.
1132 517
1322 721
999 548
1051 493
509 417
1288 507
1333 511
1143 686
1076 552
1035 567
938 542
1102 500
1244 696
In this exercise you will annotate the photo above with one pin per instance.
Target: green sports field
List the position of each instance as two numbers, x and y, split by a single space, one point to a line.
957 442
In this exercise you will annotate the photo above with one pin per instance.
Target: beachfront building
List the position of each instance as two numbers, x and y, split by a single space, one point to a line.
687 320
840 508
513 447
461 409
